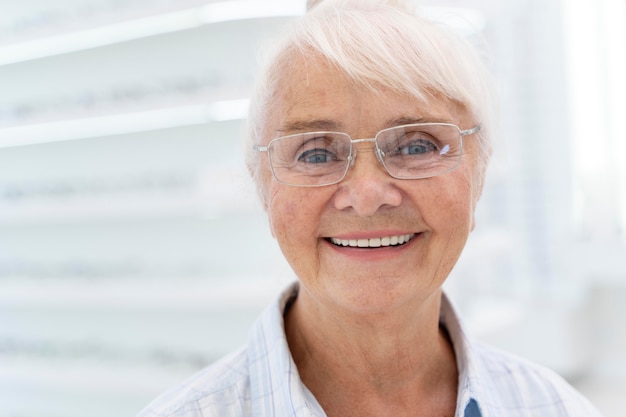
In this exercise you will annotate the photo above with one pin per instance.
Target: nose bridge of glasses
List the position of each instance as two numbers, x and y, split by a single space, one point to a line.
370 143
364 140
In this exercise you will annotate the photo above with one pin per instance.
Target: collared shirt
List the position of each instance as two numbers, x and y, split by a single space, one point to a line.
261 379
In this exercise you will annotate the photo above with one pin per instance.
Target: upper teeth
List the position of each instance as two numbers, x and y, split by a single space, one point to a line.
376 242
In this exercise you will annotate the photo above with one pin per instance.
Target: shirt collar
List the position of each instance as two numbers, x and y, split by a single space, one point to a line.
276 387
470 387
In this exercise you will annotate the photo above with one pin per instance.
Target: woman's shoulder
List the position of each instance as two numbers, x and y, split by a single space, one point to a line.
220 389
512 382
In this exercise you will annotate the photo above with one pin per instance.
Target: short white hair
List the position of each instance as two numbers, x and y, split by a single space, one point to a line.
379 43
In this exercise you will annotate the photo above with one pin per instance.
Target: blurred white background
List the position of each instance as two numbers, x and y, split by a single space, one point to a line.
132 249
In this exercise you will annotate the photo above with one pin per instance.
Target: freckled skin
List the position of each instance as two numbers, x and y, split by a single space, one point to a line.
439 208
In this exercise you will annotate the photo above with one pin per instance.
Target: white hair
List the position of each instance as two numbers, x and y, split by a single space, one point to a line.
379 44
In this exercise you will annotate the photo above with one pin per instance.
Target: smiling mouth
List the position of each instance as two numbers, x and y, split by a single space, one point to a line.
377 242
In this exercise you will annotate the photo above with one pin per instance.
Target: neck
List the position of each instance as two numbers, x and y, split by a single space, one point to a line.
390 358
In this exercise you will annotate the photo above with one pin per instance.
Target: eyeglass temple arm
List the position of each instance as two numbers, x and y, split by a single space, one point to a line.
471 131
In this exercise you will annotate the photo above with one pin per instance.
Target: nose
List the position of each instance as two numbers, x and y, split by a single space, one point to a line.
367 187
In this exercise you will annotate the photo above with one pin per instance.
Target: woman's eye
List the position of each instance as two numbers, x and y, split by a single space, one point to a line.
316 156
417 148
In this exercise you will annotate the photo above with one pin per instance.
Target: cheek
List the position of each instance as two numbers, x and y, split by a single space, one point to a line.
294 222
453 205
282 219
289 215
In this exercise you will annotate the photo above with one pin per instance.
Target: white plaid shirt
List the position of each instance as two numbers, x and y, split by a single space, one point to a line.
262 380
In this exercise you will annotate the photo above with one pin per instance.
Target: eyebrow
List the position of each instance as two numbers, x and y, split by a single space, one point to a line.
410 120
294 126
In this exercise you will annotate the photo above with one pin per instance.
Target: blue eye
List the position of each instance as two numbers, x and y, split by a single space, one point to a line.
417 148
316 156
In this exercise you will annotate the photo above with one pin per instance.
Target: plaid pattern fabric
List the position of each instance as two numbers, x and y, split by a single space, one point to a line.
261 379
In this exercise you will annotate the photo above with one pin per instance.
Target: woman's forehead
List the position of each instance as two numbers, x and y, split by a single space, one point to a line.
350 113
315 95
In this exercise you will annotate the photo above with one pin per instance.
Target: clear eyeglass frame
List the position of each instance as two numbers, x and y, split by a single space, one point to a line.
337 175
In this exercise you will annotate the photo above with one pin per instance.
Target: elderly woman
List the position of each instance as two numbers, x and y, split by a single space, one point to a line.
369 140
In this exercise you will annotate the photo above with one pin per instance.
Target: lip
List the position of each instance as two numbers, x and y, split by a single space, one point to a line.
373 254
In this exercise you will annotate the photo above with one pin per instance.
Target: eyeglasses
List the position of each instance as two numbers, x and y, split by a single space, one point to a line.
414 151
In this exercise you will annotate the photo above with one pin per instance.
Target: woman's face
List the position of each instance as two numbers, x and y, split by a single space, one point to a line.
437 213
